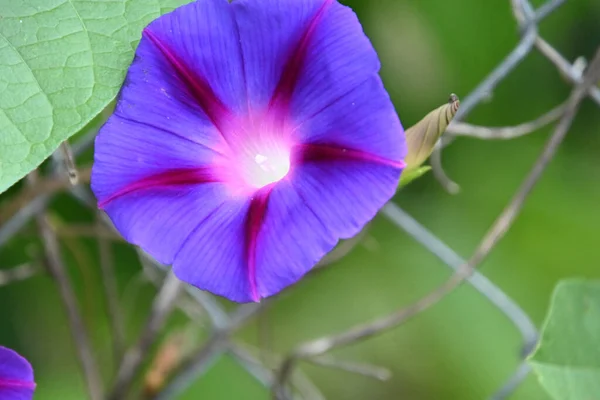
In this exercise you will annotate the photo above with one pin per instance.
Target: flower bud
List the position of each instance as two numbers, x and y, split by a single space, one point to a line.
422 138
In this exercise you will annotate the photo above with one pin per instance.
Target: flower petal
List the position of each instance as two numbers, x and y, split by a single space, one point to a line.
291 240
273 33
128 151
200 42
339 98
147 180
306 215
322 69
16 376
214 258
345 194
364 119
338 59
159 220
186 77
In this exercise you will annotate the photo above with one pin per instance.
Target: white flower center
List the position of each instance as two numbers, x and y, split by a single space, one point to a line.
268 168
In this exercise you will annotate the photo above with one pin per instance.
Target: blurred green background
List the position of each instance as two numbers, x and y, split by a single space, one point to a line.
463 348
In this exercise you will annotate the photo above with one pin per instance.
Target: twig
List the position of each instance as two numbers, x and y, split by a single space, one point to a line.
565 67
8 228
513 382
251 364
213 348
438 170
497 232
547 9
506 132
16 274
185 302
498 74
217 315
43 188
58 272
111 295
526 17
69 162
483 90
194 367
370 371
556 139
84 142
482 284
304 386
221 322
84 261
162 306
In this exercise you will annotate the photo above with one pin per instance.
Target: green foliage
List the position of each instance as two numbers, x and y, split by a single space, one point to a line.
567 360
61 63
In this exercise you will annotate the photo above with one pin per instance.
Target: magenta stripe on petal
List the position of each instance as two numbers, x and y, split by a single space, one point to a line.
321 152
199 87
14 383
16 376
291 71
173 177
254 222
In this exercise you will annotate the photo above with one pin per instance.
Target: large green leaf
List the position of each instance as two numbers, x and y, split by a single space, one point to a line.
61 63
567 359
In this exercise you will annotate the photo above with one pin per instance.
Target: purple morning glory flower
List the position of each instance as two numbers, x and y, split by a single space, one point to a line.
16 376
249 138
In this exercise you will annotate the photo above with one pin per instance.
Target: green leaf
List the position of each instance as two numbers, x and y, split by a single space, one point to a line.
410 175
567 360
61 63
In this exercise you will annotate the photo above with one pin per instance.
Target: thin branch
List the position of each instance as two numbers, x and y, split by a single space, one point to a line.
438 170
548 153
43 188
69 162
513 382
525 16
17 274
482 284
494 235
220 322
194 367
506 132
482 91
58 271
215 312
163 304
10 227
303 385
565 67
486 87
185 302
546 9
216 345
368 370
85 142
251 364
111 295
